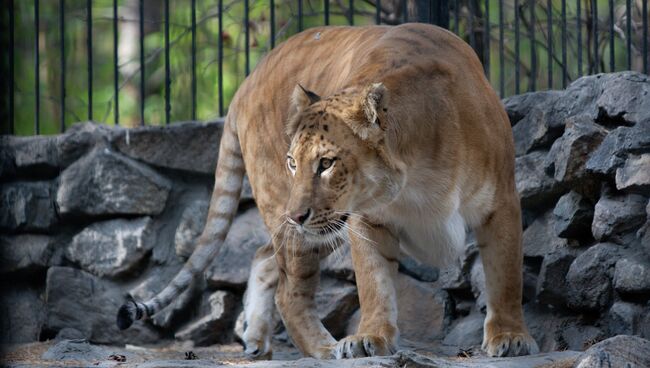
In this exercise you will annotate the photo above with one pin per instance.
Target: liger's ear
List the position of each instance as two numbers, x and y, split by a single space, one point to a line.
301 98
365 116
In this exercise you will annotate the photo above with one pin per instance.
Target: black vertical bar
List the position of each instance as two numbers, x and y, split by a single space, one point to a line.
168 107
644 15
37 76
62 54
193 57
628 33
486 39
11 67
579 25
89 32
405 10
220 57
533 47
594 27
351 10
456 17
272 21
517 56
612 62
443 13
377 11
564 73
430 16
549 41
502 81
116 90
300 25
247 36
472 40
327 12
142 66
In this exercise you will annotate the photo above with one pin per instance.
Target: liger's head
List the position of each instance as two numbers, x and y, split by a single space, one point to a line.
337 160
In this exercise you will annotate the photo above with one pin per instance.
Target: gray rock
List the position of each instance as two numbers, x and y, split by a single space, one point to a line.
632 276
477 280
426 320
107 183
551 286
112 248
246 194
466 332
27 206
581 337
623 318
215 326
189 146
533 132
610 99
615 148
231 267
453 279
634 176
618 214
190 227
79 300
545 326
589 278
76 350
618 351
417 270
22 312
336 301
566 158
33 156
25 253
80 139
573 216
519 106
534 185
539 238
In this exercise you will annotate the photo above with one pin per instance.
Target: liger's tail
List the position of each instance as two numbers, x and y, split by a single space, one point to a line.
223 206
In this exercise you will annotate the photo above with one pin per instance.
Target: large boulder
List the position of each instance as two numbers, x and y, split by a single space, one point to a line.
112 248
573 216
108 183
190 146
534 132
551 284
232 265
27 206
519 106
566 158
336 300
190 227
617 146
589 278
35 156
22 312
219 311
634 176
534 185
25 253
632 276
615 215
78 300
623 318
539 238
618 351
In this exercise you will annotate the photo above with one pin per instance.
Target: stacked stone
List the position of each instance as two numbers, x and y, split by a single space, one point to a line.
583 175
98 212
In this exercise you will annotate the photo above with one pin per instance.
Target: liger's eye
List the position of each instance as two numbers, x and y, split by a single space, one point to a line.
325 163
291 163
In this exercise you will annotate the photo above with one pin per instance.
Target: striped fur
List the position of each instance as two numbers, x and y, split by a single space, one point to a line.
223 206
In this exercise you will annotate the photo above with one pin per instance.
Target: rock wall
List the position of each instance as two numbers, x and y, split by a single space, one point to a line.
87 216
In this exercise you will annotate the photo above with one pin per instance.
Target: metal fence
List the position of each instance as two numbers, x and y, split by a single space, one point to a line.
129 62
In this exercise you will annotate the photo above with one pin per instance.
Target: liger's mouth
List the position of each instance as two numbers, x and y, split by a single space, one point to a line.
334 226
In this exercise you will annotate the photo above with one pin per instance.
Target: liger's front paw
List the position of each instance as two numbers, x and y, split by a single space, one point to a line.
510 344
359 346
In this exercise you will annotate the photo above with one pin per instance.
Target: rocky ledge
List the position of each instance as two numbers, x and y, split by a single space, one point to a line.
92 214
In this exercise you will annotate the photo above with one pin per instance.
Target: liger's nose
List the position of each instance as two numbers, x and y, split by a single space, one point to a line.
300 217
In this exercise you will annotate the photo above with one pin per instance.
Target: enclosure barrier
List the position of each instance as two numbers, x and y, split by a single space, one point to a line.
566 39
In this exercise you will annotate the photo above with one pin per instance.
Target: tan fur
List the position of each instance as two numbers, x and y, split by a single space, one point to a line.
421 149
